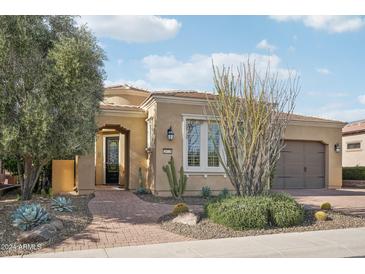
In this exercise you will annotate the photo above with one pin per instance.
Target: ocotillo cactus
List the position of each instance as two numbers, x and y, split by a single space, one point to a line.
177 187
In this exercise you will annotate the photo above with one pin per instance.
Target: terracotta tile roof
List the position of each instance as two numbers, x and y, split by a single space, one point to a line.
354 128
204 95
198 95
297 117
185 94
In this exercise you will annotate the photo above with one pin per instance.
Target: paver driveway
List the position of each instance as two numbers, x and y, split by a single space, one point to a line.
120 218
350 201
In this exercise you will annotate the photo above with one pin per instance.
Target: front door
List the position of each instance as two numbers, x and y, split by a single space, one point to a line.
112 160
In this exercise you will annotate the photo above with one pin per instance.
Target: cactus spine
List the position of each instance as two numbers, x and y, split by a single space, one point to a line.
177 187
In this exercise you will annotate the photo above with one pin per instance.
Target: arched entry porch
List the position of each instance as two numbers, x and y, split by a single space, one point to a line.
112 155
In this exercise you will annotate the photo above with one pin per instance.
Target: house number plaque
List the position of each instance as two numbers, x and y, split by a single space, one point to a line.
167 150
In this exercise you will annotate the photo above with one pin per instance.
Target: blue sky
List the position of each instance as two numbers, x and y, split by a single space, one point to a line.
175 52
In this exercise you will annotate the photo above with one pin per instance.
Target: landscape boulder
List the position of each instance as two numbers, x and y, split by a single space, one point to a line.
188 218
41 233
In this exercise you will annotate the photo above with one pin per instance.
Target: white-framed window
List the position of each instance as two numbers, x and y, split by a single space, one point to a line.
200 138
354 145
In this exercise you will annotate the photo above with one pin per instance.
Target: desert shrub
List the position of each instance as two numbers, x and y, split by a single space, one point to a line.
321 216
326 206
353 173
248 212
224 193
142 190
62 204
206 192
180 208
28 216
285 211
177 186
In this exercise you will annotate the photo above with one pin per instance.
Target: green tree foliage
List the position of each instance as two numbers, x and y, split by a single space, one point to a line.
51 84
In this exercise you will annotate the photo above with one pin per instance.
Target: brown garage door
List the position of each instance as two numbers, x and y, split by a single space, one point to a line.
301 165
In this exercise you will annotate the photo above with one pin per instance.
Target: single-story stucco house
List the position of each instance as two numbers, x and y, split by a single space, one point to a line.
139 129
353 143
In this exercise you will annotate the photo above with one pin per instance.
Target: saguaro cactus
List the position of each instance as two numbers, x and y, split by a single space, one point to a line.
177 187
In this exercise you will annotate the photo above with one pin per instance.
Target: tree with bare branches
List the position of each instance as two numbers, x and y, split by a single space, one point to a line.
252 109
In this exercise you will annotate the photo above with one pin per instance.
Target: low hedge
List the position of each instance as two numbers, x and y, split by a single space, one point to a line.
353 173
256 212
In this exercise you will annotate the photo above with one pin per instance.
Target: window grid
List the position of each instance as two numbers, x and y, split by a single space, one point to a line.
193 131
213 142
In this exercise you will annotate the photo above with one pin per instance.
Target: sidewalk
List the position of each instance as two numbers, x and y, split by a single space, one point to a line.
329 243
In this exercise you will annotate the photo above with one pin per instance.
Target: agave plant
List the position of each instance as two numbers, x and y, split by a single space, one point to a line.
62 204
28 216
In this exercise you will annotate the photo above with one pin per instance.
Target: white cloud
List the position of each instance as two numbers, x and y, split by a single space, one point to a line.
136 28
323 71
340 110
327 94
361 99
196 72
264 44
329 23
346 115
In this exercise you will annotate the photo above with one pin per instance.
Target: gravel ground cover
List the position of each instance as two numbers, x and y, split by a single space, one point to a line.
73 223
206 229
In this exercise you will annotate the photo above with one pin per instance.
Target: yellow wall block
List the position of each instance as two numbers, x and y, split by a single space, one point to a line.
63 176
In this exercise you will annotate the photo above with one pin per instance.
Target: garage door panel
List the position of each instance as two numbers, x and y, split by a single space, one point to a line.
293 182
314 182
301 165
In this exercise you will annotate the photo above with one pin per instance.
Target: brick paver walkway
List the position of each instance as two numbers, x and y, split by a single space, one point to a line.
120 218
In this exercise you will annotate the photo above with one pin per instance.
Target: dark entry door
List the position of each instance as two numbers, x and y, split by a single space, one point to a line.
112 160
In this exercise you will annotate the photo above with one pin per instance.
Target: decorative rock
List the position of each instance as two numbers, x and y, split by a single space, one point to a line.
41 233
57 224
188 218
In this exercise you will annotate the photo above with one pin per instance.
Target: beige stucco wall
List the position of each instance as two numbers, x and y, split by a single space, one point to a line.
171 114
124 100
328 136
85 174
353 157
137 153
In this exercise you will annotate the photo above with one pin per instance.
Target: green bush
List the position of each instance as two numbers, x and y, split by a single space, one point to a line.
271 210
353 173
224 193
206 192
285 211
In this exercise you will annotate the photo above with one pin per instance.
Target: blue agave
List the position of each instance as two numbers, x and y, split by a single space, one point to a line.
27 216
62 204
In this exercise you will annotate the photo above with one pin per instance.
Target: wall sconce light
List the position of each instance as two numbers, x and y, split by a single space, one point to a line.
170 134
337 148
